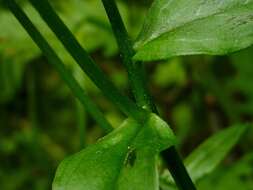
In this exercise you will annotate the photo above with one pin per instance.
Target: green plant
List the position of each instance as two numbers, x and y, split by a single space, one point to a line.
119 159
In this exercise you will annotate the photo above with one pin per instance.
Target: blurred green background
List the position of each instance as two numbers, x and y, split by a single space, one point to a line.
41 122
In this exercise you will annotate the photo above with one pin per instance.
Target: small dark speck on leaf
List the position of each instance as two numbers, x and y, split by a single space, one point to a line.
130 158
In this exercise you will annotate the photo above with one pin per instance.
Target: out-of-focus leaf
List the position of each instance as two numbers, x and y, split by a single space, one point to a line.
208 155
169 73
119 160
186 27
89 23
205 158
183 118
237 176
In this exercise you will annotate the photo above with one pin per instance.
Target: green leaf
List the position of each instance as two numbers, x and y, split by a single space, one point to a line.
186 27
170 73
205 158
142 173
208 155
117 159
235 176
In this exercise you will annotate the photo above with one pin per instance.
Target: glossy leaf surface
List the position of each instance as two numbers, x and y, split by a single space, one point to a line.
117 159
186 27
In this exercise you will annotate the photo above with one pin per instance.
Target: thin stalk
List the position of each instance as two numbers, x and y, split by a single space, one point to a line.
136 71
137 81
86 62
178 170
58 64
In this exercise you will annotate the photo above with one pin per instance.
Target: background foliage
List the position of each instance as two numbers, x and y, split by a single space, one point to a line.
40 120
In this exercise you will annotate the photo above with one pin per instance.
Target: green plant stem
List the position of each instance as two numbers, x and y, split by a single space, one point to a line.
178 170
86 62
136 71
57 63
136 74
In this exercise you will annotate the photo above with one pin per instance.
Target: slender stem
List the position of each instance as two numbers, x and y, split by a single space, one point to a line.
136 71
86 62
178 170
137 81
58 64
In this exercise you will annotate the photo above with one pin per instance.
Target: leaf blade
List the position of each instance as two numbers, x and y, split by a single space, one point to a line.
95 167
210 153
197 27
206 157
107 164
